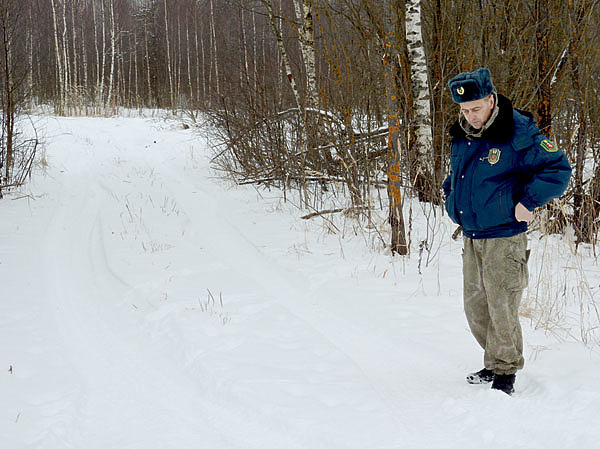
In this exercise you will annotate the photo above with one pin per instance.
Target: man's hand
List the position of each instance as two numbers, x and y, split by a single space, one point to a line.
522 213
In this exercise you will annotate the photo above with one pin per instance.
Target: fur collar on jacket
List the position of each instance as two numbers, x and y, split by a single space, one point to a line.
501 129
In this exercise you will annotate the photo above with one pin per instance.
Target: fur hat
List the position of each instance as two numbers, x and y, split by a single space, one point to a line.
471 86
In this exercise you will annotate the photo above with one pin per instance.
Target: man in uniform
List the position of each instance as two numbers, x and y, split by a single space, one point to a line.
502 168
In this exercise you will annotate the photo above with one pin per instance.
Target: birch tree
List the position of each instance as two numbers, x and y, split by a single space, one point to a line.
169 68
59 62
306 33
74 76
113 50
214 41
200 67
102 60
286 63
189 61
97 51
65 55
304 13
303 144
147 59
244 49
422 167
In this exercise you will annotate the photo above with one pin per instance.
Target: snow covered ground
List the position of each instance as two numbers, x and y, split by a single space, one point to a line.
145 304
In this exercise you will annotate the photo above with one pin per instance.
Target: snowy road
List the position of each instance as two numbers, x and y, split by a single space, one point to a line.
147 305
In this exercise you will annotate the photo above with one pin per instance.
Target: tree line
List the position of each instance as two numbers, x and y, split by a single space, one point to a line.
316 94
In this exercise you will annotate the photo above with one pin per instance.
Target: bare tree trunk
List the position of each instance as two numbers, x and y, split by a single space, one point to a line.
75 75
84 61
210 65
120 96
169 70
544 94
177 64
580 134
440 61
304 13
288 69
59 64
127 87
280 66
201 69
30 60
8 112
113 51
135 69
244 49
197 54
95 21
422 168
103 52
189 63
65 50
394 166
254 49
286 61
147 55
216 57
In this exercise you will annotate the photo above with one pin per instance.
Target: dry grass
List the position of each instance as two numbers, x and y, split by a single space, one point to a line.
560 298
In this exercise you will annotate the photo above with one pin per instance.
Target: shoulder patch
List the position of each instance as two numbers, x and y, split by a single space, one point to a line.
549 146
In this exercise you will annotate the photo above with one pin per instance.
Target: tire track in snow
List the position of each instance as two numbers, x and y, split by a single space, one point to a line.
130 397
377 358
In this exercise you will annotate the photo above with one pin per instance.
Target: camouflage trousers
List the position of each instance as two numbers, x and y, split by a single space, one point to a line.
495 274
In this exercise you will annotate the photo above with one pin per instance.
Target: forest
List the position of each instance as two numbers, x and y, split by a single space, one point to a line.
348 96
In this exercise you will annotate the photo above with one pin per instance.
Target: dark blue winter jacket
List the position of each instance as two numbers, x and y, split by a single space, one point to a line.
511 162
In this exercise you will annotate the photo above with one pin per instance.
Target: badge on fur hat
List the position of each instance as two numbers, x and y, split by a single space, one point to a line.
471 86
494 156
549 146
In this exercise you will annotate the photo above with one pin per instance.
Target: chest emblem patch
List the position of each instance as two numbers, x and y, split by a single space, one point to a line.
550 147
493 156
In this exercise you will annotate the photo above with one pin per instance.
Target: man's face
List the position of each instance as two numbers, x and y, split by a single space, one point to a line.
478 112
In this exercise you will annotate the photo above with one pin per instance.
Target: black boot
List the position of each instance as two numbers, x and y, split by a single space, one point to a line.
481 377
504 382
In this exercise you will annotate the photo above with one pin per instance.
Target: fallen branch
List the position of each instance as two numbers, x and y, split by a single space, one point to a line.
335 211
323 212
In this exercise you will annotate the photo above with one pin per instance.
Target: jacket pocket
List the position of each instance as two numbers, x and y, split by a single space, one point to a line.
495 210
506 205
450 208
455 160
